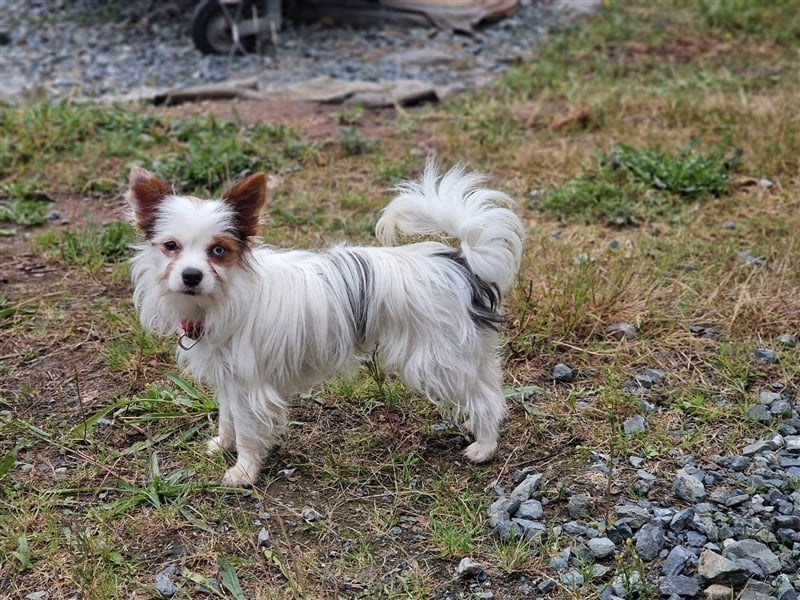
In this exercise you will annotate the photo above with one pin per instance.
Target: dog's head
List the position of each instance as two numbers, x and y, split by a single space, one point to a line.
195 245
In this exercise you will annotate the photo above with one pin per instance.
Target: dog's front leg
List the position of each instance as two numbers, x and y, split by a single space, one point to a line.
226 439
258 417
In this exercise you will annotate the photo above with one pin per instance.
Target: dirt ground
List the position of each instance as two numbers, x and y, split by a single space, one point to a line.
57 364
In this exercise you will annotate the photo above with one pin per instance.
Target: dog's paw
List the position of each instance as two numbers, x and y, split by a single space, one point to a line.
480 452
216 445
236 476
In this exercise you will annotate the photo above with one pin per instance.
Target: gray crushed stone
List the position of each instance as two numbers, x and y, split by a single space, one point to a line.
732 528
110 48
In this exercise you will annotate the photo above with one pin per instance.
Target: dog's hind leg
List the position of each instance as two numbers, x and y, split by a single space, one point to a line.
485 407
474 394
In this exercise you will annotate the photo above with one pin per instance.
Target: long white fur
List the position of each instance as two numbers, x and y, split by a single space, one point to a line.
285 320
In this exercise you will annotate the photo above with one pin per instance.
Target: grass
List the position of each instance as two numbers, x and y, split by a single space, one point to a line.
636 142
631 185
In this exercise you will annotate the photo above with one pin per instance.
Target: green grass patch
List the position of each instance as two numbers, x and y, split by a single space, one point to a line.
24 202
759 18
688 174
216 153
629 185
93 246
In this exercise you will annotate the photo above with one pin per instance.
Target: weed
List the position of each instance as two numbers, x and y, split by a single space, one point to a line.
393 171
24 202
688 174
275 560
630 185
632 571
457 527
353 143
516 555
9 315
702 408
350 116
172 408
376 372
159 491
22 553
604 194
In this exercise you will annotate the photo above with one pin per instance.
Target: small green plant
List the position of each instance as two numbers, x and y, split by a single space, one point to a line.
601 194
393 170
457 526
688 174
376 372
630 570
350 116
10 314
755 17
24 202
515 555
703 408
353 143
159 491
229 579
451 539
22 553
630 184
169 406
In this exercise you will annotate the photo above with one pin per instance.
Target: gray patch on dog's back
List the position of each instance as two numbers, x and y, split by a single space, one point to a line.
357 275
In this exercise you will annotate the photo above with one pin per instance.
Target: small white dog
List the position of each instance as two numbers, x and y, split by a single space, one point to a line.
260 324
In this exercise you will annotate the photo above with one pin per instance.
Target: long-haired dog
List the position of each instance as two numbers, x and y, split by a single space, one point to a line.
260 324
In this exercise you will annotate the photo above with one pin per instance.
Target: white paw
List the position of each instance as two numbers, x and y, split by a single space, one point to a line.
478 453
216 445
236 476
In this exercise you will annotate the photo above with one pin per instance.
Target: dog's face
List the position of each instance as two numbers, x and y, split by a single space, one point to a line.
194 244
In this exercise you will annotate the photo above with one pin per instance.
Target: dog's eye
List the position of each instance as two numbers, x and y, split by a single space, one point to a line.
217 251
170 246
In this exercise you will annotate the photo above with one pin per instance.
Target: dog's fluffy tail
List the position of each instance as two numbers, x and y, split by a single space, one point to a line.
481 219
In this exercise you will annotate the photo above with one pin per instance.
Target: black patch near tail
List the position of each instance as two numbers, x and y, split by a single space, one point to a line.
358 295
486 296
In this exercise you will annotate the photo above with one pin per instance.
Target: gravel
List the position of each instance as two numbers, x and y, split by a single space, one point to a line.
468 568
163 581
622 331
563 374
726 526
264 540
101 48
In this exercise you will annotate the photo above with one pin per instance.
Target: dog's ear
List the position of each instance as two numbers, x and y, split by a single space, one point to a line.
247 199
145 192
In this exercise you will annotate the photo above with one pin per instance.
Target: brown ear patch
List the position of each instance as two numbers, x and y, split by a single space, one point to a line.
247 198
145 192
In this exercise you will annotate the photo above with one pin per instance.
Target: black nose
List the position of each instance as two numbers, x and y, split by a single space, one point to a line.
191 277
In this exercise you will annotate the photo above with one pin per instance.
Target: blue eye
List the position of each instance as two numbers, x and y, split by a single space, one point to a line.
217 251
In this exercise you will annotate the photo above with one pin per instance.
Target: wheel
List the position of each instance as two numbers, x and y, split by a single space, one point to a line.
213 27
